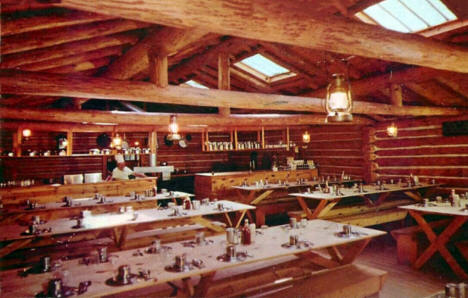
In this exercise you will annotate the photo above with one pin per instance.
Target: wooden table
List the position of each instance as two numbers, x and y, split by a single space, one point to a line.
328 200
55 210
256 194
438 242
117 225
266 246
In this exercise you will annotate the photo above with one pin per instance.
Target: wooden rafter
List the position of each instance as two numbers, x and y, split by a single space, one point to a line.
289 22
19 82
51 37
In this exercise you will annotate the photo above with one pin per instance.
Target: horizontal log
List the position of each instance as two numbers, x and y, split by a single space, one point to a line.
345 161
402 133
289 22
52 20
420 123
67 49
51 37
423 161
332 152
18 82
336 145
425 150
454 172
81 66
186 121
433 141
73 59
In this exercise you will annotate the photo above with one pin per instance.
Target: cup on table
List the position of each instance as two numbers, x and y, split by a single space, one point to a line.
304 223
196 204
36 219
171 204
205 201
231 252
163 190
200 238
293 239
347 230
293 222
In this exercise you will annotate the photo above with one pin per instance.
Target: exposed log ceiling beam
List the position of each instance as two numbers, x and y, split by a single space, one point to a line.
289 22
66 50
185 68
135 60
19 5
51 37
365 86
158 68
437 94
209 74
457 82
82 66
53 20
184 120
87 56
19 82
254 82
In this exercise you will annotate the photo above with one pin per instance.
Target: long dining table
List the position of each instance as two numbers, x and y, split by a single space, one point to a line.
438 242
373 195
203 261
118 225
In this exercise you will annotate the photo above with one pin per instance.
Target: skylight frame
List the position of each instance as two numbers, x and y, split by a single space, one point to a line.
438 9
258 74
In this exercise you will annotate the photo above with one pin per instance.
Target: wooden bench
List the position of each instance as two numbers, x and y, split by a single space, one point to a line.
361 281
411 240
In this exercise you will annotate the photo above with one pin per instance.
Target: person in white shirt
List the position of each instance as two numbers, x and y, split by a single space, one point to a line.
121 172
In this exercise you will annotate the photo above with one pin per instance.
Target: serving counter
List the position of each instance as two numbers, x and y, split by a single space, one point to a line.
220 185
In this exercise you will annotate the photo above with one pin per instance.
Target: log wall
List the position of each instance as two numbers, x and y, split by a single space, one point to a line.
336 149
421 149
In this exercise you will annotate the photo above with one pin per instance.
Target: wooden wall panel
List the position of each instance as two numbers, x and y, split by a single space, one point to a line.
336 149
421 149
20 168
6 140
191 159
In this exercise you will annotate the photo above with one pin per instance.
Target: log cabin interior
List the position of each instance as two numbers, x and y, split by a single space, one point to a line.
268 148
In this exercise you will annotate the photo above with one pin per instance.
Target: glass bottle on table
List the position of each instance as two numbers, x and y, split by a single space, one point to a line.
246 234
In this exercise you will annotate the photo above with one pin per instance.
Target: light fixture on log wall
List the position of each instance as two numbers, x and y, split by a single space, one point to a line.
306 137
339 101
392 130
117 141
26 133
173 129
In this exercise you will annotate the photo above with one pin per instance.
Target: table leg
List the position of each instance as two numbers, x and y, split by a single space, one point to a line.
261 197
382 198
306 208
326 209
240 217
228 219
438 242
205 282
245 199
207 224
15 245
414 195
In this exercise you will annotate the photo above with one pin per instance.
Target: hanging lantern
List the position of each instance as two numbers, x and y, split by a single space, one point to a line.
26 133
339 102
117 141
173 130
306 137
392 130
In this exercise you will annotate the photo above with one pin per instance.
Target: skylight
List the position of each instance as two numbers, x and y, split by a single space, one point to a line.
192 83
407 16
263 68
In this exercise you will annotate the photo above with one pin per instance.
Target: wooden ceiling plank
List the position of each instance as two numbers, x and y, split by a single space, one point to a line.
57 19
21 5
256 83
436 94
29 83
87 56
457 82
224 78
51 37
67 49
184 120
288 22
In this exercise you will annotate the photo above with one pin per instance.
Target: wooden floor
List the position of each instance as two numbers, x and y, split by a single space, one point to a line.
402 280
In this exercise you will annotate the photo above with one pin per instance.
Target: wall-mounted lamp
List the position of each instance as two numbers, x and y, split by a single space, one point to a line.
339 101
306 137
136 143
173 129
116 141
26 133
392 130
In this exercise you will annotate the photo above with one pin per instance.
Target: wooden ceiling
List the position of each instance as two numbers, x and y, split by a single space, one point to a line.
63 58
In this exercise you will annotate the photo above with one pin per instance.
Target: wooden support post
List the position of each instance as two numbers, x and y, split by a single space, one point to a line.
70 142
368 151
263 137
158 70
203 145
17 141
396 95
236 146
224 78
287 138
153 141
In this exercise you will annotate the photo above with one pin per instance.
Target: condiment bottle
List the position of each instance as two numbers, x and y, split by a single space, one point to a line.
246 235
187 204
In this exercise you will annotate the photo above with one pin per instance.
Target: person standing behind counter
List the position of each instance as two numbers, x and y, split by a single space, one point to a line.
122 172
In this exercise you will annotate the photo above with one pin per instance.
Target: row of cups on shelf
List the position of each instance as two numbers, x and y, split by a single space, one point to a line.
16 183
